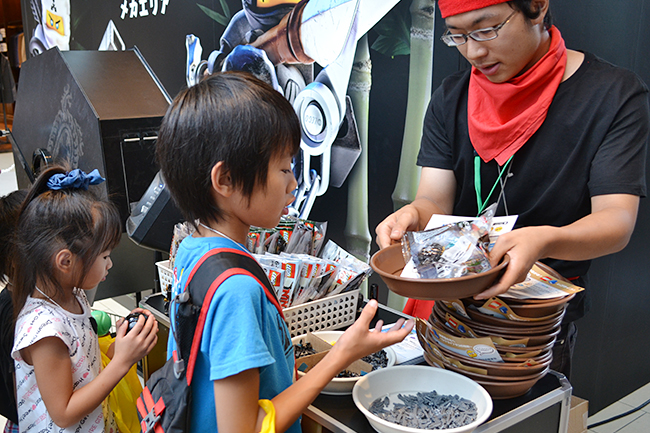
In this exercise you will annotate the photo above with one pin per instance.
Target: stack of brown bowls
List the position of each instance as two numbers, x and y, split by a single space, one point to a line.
522 367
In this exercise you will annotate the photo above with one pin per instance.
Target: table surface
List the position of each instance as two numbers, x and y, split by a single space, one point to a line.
343 410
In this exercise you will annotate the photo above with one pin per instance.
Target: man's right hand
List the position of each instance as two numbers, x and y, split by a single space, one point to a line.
391 229
436 192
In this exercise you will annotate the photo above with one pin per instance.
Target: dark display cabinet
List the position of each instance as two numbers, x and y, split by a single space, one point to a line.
94 109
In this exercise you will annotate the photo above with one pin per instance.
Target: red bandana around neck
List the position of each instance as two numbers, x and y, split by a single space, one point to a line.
501 117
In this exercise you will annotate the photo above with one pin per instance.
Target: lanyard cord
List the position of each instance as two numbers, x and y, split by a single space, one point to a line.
477 183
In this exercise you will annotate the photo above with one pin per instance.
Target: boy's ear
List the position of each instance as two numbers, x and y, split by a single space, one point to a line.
220 179
64 261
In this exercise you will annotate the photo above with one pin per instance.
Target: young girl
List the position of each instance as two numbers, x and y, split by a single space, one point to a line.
225 148
63 243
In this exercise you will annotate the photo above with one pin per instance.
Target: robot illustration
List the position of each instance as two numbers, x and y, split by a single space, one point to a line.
53 28
52 25
280 41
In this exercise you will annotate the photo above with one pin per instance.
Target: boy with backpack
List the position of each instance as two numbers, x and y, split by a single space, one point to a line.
225 149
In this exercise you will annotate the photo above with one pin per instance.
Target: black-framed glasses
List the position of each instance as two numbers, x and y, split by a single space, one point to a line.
480 35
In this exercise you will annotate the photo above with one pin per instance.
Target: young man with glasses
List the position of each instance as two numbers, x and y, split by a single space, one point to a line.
568 130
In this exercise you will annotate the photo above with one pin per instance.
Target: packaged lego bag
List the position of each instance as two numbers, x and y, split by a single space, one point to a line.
451 251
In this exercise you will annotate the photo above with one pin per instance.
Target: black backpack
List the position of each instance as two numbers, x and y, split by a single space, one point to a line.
164 405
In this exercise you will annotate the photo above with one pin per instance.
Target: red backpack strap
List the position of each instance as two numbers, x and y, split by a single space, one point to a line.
233 258
202 285
149 411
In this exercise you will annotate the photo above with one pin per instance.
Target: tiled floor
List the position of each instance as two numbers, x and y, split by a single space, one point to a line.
637 422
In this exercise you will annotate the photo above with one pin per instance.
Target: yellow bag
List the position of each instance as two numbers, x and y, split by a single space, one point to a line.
122 399
268 425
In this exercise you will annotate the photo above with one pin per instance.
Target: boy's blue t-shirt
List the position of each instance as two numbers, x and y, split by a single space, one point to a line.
243 330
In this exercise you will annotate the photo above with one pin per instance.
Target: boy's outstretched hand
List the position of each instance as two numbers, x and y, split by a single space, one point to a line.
359 341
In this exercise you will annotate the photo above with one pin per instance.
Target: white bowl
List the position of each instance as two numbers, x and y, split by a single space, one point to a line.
330 336
341 385
410 379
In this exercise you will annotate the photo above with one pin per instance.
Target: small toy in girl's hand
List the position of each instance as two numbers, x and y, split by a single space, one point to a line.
132 319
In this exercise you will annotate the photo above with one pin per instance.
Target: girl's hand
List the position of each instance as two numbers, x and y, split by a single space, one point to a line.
358 341
139 341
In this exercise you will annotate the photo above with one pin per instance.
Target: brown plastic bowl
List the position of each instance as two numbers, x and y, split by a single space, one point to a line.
512 329
533 340
389 262
546 355
515 332
486 319
538 308
531 308
494 369
542 357
527 349
503 390
495 378
497 388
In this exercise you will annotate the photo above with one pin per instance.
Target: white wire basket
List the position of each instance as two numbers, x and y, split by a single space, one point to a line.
165 275
332 312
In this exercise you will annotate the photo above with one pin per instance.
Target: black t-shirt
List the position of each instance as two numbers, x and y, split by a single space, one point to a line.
7 393
593 142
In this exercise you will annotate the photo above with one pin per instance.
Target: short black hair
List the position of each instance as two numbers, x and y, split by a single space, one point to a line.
231 117
526 7
9 210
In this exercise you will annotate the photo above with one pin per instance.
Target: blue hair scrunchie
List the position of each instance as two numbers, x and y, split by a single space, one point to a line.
75 179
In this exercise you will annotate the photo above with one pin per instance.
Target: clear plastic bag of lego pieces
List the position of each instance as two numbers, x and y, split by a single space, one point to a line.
348 277
273 241
256 239
291 235
335 253
291 268
260 241
451 251
352 271
306 238
317 287
309 268
276 276
316 277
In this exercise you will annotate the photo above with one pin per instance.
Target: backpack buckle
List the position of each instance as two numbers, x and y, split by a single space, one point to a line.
179 368
150 412
148 423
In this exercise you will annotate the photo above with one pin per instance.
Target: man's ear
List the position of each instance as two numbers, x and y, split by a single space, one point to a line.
220 179
64 261
540 6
